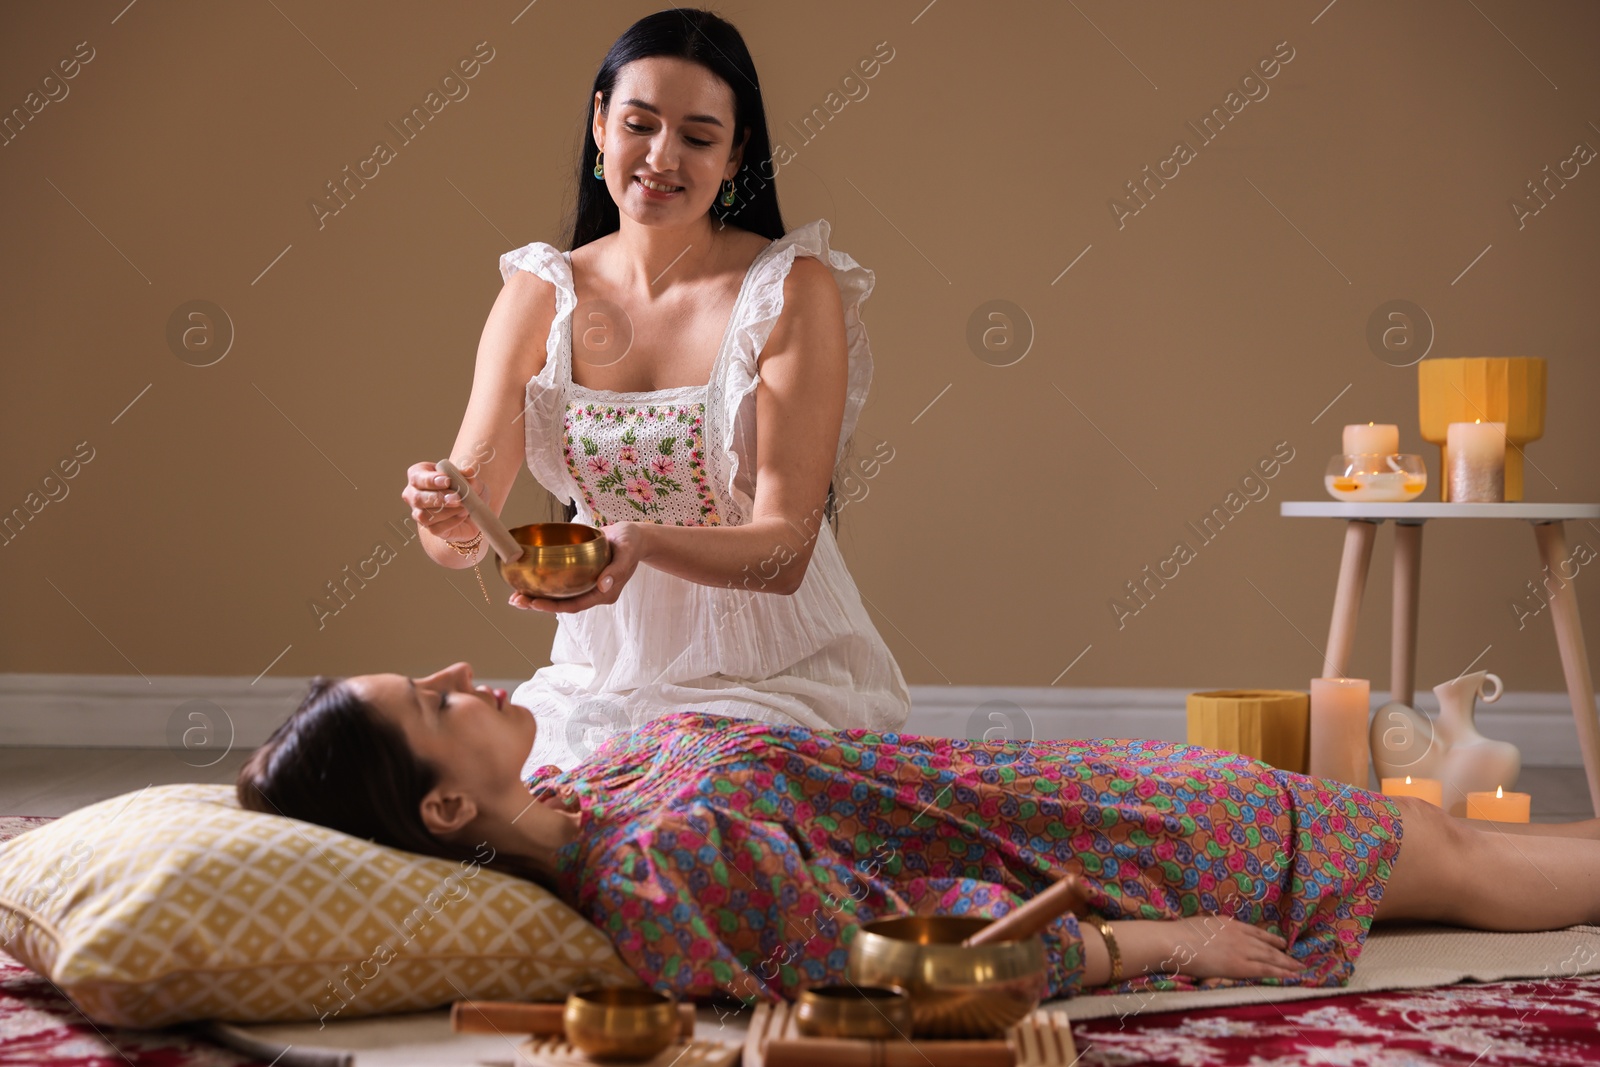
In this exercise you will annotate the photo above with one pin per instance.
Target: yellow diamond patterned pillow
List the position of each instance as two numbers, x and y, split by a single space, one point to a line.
174 904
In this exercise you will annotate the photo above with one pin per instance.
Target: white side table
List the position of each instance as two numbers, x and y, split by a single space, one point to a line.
1361 529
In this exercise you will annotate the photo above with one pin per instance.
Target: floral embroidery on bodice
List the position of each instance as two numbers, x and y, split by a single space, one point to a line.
723 409
641 462
686 455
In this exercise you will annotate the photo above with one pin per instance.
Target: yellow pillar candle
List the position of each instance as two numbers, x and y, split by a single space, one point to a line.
1429 789
1477 473
1371 438
1339 747
1498 806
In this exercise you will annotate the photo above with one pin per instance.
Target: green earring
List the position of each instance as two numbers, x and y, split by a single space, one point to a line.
599 168
727 194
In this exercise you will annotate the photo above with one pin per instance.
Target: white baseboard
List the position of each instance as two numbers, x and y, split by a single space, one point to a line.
126 711
1540 724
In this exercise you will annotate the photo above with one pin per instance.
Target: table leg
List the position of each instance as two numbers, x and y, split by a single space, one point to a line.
1552 540
1358 537
1403 624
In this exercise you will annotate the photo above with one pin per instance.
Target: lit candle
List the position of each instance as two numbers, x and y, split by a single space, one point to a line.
1476 462
1498 806
1339 746
1429 789
1371 438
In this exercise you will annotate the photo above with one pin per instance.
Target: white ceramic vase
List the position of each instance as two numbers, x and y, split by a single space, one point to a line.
1404 742
1472 763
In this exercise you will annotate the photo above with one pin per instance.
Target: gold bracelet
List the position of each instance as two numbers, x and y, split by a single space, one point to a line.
1104 926
467 548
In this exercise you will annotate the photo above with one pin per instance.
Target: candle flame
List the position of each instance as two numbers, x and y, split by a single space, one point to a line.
1499 792
1476 421
1408 779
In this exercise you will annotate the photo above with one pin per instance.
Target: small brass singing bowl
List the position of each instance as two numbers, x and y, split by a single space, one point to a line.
559 559
955 991
871 1013
621 1023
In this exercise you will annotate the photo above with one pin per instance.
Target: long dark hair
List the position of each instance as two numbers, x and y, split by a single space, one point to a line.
338 763
713 42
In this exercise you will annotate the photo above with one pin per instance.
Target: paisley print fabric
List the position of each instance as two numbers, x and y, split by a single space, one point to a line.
739 856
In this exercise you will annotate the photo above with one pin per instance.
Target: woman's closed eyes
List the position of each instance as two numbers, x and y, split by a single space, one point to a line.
633 127
444 699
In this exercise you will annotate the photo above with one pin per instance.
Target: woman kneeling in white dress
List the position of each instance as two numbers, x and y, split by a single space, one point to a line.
686 378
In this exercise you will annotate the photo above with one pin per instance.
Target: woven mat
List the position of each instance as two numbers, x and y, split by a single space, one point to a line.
1396 956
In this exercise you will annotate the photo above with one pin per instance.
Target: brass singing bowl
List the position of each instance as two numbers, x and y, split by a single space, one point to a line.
621 1023
867 1012
955 991
559 559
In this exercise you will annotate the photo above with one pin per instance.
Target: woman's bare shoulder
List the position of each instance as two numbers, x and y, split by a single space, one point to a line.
522 316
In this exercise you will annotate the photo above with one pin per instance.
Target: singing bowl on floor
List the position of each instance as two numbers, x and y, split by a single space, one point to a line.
867 1013
955 991
621 1023
559 559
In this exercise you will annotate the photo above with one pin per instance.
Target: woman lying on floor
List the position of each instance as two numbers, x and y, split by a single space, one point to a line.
734 856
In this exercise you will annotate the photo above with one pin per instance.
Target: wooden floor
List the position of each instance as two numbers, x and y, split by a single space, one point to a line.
54 781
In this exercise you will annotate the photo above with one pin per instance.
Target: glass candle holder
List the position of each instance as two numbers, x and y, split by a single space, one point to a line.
1375 477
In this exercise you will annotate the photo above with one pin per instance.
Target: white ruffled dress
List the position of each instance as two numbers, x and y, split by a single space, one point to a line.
686 456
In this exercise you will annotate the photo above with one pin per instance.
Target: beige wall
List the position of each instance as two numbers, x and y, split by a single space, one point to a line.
1196 335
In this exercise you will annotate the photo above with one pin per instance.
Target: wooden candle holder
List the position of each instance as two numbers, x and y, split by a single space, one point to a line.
1509 390
1272 725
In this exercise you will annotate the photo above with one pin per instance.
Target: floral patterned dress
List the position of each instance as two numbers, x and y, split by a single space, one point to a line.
686 456
738 856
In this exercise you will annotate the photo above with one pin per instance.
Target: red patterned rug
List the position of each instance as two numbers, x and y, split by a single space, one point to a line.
1533 1023
1543 1022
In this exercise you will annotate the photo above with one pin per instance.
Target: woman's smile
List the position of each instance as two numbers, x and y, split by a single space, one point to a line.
655 194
